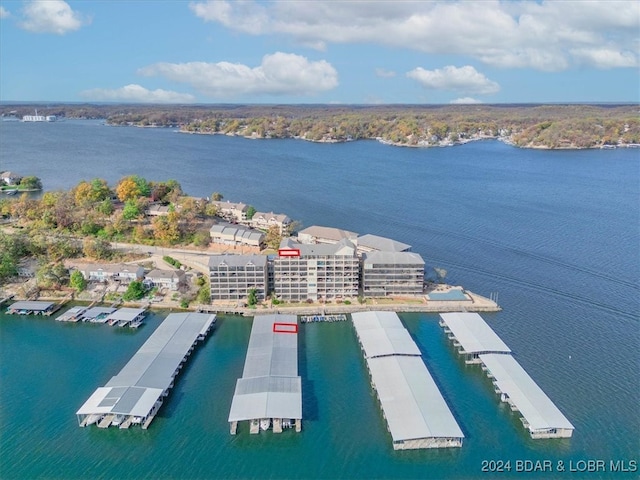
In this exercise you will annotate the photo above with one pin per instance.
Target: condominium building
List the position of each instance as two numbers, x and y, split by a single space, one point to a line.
317 234
387 274
231 277
315 272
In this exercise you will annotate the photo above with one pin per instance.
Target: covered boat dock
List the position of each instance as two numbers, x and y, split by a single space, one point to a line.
126 316
471 335
416 413
32 308
269 394
477 341
135 395
514 385
97 314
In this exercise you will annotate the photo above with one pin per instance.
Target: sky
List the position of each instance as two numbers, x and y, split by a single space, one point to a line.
331 52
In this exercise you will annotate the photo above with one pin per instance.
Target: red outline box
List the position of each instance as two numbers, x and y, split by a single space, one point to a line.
285 327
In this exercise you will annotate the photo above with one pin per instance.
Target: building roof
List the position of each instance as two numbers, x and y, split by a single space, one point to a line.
227 205
237 231
328 233
380 335
169 274
94 312
33 306
343 247
150 371
382 244
270 386
270 216
534 405
126 313
237 260
393 258
110 268
473 333
412 403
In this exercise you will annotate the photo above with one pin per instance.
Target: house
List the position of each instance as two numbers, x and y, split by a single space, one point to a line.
233 212
328 235
157 210
10 178
236 235
97 272
264 221
170 279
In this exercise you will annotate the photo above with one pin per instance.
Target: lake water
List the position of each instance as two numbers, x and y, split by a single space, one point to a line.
555 233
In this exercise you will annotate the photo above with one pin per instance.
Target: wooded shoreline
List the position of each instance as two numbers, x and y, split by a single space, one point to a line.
554 126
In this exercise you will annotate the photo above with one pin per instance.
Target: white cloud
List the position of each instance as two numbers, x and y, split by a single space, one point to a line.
465 101
381 72
464 79
51 16
136 94
545 35
278 74
4 13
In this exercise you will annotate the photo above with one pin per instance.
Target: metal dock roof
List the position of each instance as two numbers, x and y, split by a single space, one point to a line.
270 386
150 372
413 405
525 394
126 314
416 413
473 333
34 306
382 333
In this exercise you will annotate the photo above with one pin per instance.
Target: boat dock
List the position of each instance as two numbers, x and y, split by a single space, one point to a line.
126 316
31 307
134 396
471 335
479 344
341 317
72 315
269 394
416 413
6 299
97 314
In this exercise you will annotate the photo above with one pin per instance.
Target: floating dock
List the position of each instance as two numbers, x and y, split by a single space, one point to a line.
478 343
135 395
32 308
269 394
416 413
341 317
471 335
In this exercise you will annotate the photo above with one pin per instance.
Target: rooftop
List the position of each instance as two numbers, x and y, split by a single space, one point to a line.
382 244
473 333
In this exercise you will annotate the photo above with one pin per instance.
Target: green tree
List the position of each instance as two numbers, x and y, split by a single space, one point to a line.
52 275
31 183
96 248
135 291
250 212
131 210
216 196
77 281
105 207
252 297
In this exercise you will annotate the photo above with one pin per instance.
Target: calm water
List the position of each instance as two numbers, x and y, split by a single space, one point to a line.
556 234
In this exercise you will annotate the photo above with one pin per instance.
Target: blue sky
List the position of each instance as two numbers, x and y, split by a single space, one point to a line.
301 51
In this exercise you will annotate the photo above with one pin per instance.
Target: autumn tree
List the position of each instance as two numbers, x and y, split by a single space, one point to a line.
96 248
216 196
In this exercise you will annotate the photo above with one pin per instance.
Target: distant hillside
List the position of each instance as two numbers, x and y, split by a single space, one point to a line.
530 126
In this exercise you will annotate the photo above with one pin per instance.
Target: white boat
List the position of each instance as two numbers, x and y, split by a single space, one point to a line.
11 192
265 423
91 419
118 419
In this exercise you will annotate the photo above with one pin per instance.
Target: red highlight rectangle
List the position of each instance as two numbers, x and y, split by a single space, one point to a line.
285 327
289 252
